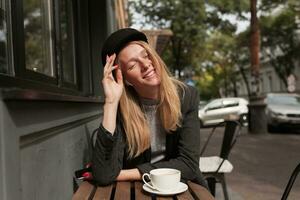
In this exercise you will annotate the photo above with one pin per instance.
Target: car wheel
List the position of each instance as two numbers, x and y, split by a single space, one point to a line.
272 129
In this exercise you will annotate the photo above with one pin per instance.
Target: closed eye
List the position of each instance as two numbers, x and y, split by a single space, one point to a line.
131 66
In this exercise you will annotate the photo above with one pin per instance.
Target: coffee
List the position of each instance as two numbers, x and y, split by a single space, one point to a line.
163 179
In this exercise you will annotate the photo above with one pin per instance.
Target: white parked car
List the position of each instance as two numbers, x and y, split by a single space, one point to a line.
218 110
283 110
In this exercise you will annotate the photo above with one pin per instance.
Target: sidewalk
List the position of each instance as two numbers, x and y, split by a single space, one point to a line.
263 164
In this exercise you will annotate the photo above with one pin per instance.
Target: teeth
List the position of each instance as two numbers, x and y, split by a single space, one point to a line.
149 74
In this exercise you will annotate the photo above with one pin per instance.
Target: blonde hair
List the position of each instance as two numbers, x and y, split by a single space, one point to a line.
133 118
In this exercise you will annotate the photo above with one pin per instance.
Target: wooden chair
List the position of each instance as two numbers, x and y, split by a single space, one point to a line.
291 182
214 168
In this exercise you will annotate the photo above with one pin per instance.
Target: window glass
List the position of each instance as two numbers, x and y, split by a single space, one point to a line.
284 100
214 105
67 41
230 103
39 48
3 39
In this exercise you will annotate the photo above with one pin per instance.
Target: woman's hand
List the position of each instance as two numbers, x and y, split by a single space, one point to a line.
129 175
112 88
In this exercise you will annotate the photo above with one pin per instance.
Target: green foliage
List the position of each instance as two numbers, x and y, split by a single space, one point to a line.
192 21
184 18
208 83
206 40
238 7
218 70
270 5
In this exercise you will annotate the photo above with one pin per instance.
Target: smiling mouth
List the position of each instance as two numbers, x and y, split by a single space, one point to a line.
149 74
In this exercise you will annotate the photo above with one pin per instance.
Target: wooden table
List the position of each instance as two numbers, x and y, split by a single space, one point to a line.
133 190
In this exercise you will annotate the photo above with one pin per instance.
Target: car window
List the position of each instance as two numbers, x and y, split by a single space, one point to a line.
284 100
230 103
214 105
202 104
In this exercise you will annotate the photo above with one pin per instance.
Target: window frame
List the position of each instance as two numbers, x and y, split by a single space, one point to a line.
17 32
88 37
74 45
58 79
9 42
26 77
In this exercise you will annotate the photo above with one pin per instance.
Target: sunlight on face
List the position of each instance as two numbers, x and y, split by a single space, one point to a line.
137 67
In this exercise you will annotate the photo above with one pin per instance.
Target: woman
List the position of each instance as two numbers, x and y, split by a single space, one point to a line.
150 119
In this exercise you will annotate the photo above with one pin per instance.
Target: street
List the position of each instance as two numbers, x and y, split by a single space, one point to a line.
263 164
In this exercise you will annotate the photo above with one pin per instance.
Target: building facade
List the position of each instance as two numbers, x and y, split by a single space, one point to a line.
269 82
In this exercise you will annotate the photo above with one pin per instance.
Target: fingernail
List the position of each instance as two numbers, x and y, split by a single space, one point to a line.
107 57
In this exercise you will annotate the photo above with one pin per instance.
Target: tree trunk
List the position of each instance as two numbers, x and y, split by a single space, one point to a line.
242 70
257 118
254 48
225 80
235 92
176 50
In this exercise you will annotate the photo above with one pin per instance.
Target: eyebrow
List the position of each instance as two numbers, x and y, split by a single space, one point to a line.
131 59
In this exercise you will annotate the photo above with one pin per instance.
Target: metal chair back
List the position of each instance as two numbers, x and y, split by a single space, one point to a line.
232 130
291 183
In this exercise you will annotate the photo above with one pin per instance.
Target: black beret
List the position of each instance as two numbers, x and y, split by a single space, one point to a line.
117 40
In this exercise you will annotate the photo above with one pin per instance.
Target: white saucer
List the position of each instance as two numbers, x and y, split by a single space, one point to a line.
182 187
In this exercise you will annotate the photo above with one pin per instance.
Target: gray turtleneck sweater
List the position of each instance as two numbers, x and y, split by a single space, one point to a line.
157 133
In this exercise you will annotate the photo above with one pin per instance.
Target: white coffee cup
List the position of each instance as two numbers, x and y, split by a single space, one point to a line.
163 179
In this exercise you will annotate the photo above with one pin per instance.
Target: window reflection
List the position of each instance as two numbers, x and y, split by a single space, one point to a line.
39 48
3 39
66 31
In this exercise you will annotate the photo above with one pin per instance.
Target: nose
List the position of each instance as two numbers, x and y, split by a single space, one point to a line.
145 66
145 63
